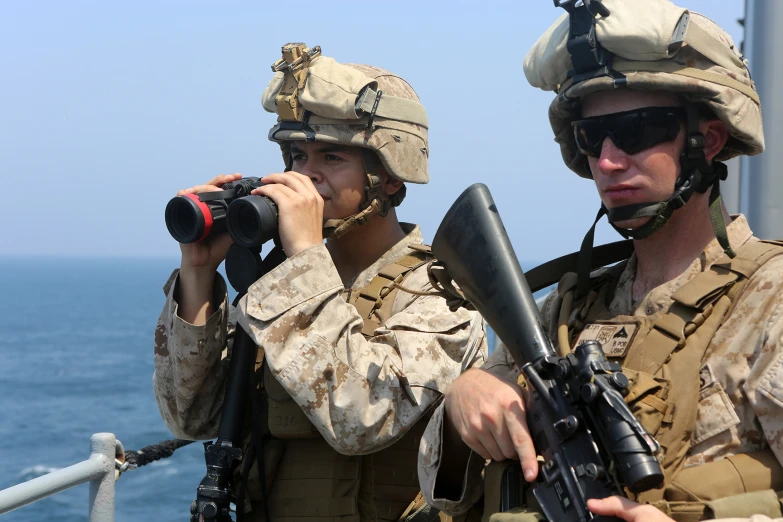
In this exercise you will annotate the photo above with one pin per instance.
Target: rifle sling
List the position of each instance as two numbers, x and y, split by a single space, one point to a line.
550 272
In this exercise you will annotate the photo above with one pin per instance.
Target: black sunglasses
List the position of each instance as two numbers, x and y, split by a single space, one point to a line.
632 131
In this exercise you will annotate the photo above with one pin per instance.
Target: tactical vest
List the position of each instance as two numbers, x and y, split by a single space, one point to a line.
307 480
662 354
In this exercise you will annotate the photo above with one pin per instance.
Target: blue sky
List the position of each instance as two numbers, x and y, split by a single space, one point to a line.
109 108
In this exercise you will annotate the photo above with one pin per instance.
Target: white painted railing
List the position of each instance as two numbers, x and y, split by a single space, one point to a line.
98 470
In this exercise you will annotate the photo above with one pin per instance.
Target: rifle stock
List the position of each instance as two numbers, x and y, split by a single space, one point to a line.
591 444
473 246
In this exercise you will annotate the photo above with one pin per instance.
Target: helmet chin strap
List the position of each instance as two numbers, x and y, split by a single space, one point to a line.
376 201
696 175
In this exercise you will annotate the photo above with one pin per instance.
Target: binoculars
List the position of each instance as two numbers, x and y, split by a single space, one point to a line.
251 221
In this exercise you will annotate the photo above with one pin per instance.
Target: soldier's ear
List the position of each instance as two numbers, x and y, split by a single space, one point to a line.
389 183
715 136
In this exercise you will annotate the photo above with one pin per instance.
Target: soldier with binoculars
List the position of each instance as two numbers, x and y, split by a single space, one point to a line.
354 347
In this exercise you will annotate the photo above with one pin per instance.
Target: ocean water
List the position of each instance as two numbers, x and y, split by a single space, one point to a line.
76 344
76 340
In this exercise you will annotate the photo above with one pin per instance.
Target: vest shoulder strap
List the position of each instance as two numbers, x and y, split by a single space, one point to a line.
727 275
693 301
552 271
374 302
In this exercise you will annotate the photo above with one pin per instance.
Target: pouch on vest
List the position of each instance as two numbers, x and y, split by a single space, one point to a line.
648 399
273 453
286 419
735 507
742 473
763 502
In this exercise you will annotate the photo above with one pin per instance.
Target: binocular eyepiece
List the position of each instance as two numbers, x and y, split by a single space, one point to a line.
251 221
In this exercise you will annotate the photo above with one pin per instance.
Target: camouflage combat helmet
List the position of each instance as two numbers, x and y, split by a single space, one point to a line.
649 45
318 99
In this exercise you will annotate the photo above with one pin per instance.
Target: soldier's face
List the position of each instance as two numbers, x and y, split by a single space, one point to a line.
336 171
644 177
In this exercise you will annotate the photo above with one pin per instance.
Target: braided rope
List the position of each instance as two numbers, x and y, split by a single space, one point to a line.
147 454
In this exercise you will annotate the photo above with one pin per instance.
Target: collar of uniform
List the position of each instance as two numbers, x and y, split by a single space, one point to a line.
659 298
412 237
738 232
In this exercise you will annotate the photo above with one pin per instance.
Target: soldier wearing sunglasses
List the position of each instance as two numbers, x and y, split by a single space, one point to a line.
650 100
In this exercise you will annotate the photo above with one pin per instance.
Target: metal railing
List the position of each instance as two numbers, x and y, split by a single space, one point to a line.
98 470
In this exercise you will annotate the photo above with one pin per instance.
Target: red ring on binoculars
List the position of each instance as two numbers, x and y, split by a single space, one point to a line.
205 211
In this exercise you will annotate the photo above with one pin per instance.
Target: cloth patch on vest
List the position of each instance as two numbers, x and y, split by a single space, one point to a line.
613 338
716 414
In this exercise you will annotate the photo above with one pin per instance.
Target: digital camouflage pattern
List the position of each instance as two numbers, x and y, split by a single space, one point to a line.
741 397
402 146
361 394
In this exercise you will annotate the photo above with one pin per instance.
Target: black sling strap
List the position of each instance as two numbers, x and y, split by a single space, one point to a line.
550 272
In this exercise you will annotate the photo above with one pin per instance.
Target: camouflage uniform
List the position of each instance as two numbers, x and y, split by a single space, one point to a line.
653 45
345 374
361 394
741 397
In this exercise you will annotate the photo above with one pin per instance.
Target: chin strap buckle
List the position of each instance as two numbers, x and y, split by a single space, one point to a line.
376 201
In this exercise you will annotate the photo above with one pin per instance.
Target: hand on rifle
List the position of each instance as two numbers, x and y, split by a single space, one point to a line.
489 415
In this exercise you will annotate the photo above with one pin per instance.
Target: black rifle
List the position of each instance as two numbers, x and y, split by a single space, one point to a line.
591 443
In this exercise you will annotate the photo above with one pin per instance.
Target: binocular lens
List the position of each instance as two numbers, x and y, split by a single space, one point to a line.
185 219
252 220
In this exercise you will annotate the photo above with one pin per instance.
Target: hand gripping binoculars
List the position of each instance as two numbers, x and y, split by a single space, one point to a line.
251 221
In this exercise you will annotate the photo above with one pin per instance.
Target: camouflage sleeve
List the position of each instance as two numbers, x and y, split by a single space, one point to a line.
501 364
430 457
191 366
431 454
361 394
763 307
